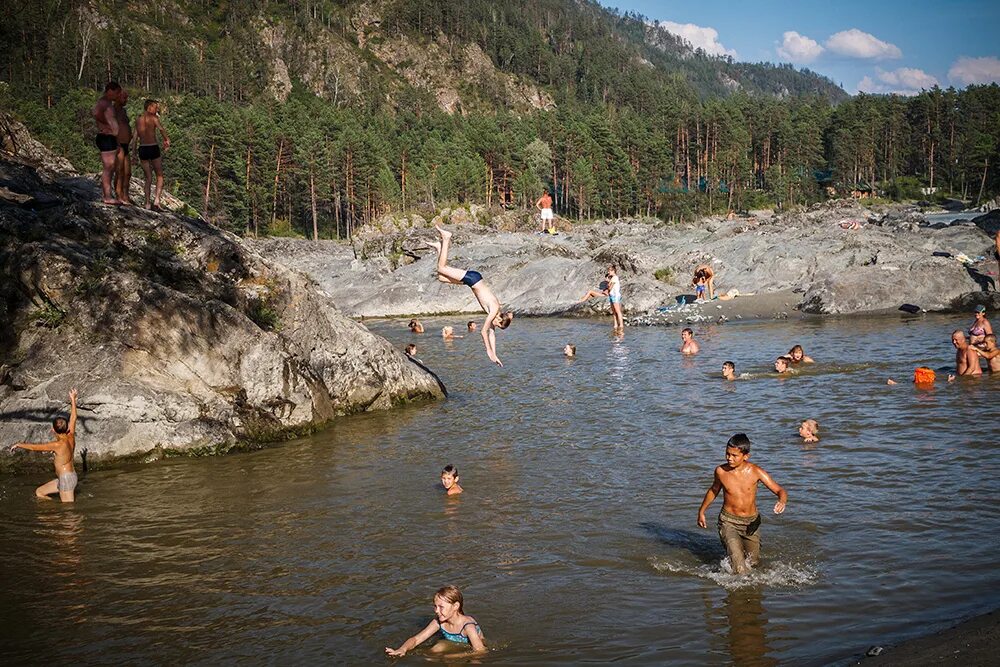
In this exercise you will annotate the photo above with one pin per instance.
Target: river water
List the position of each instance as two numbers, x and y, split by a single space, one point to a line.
575 540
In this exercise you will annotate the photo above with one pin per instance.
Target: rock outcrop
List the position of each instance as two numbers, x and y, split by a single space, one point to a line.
892 257
177 335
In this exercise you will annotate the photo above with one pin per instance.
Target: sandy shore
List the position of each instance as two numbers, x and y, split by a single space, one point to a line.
972 642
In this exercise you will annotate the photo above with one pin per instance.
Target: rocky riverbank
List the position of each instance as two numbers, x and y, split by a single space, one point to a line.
178 336
886 257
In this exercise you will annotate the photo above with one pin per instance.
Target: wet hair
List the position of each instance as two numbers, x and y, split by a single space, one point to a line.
470 324
572 348
959 332
447 331
731 364
411 349
449 470
740 441
992 337
60 425
451 594
149 103
812 424
112 86
687 330
794 348
506 319
785 359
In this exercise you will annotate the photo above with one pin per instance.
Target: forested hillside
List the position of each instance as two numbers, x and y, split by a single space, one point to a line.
295 115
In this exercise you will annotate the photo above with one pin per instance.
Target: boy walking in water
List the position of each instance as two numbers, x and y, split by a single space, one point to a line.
146 126
63 446
485 296
739 521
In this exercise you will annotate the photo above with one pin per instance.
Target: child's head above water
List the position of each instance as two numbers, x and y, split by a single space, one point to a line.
470 325
569 350
781 364
728 368
809 430
411 350
449 479
447 602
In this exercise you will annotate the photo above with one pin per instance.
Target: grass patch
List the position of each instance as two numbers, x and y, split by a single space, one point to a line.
664 275
48 316
263 315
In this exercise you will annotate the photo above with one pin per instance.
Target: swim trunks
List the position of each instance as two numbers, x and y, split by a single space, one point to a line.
612 298
106 143
149 152
471 278
700 290
741 538
67 481
124 147
458 637
546 214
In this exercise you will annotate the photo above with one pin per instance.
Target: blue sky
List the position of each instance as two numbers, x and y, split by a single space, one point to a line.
875 46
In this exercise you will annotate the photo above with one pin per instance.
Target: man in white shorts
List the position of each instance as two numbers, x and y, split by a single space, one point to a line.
544 204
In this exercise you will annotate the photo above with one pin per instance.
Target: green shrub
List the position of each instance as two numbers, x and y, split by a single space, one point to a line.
263 315
664 275
48 316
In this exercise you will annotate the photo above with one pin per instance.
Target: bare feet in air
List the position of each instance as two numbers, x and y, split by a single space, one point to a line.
445 234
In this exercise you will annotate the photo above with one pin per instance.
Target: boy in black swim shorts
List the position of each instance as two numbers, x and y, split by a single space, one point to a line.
146 126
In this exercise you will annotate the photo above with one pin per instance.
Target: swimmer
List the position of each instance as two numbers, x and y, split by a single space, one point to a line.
450 620
739 520
729 370
797 356
411 350
448 333
449 480
966 359
809 430
415 327
990 352
980 326
63 446
487 300
689 344
615 298
569 350
470 326
781 365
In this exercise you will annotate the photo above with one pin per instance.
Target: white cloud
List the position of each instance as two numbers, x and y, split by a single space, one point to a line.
706 39
902 81
798 48
857 44
967 71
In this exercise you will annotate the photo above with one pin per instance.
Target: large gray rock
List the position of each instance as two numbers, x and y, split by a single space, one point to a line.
176 334
888 261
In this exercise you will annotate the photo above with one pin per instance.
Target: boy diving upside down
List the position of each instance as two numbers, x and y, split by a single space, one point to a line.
485 296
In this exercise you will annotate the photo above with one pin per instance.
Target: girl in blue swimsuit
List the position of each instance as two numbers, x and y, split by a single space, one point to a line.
456 629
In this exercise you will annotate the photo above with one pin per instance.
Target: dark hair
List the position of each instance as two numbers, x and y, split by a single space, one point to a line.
450 469
60 425
741 442
687 330
112 85
411 348
149 103
731 364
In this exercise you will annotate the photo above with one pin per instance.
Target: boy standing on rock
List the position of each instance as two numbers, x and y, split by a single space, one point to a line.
544 204
146 126
739 520
63 446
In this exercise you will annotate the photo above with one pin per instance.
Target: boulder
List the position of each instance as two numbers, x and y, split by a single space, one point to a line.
176 333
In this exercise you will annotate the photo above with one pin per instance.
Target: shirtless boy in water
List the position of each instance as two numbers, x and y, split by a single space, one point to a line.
449 480
739 520
990 352
63 446
485 296
146 126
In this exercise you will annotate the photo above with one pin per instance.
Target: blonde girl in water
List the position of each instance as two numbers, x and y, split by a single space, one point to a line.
456 629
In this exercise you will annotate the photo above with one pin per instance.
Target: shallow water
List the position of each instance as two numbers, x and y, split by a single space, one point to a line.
575 540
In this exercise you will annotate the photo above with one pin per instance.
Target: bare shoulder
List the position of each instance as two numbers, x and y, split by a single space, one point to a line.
759 472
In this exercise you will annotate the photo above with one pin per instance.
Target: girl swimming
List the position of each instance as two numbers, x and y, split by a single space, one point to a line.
456 629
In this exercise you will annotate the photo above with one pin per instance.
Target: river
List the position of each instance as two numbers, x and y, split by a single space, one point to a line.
575 540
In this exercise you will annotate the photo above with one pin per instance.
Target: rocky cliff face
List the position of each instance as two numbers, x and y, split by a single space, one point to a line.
888 261
176 334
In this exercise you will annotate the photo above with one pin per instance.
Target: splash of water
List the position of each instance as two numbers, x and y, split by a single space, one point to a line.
770 574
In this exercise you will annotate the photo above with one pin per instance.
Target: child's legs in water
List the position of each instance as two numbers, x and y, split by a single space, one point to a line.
445 646
739 546
616 310
47 489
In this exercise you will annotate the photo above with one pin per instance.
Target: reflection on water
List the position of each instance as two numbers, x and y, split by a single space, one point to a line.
575 539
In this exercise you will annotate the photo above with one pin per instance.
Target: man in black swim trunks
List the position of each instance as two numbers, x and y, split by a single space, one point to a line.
146 126
107 139
485 296
123 173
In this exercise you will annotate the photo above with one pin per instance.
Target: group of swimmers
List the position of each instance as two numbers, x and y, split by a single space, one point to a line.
115 141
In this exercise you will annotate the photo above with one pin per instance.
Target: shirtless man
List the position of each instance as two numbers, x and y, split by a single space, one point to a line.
729 370
146 126
689 344
966 359
544 204
709 275
107 139
487 300
990 352
739 520
123 175
64 445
